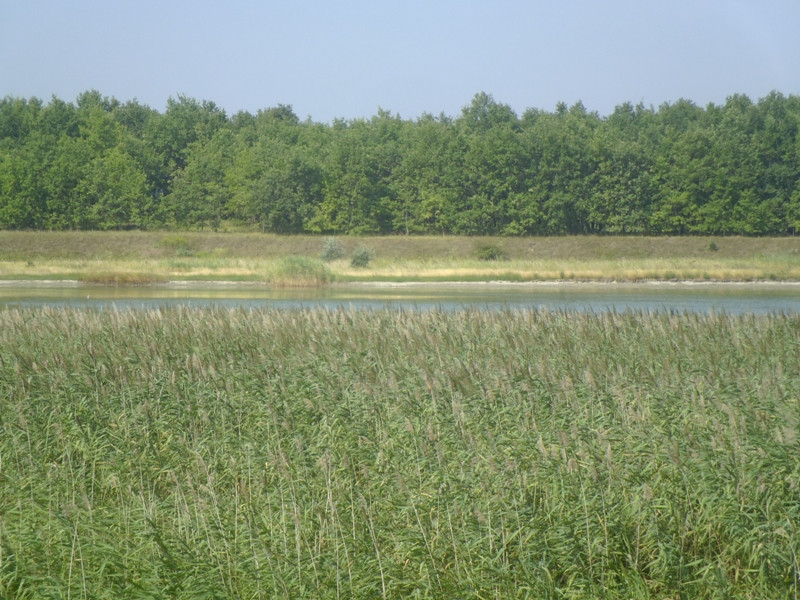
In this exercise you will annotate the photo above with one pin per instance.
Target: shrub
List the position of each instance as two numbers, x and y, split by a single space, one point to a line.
361 257
332 249
300 271
713 246
179 244
489 252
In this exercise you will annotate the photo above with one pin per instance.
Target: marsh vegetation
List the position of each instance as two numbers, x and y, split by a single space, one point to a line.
335 454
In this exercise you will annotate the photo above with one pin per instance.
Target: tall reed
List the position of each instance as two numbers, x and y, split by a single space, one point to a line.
189 453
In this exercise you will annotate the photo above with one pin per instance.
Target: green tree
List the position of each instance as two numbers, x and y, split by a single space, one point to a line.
59 118
424 184
65 171
200 193
279 195
19 118
99 163
622 187
357 197
22 196
171 135
562 163
276 179
113 192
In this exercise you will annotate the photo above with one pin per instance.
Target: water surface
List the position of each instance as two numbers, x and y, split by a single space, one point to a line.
732 298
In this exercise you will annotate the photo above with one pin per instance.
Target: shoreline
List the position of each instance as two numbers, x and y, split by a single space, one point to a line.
497 284
573 283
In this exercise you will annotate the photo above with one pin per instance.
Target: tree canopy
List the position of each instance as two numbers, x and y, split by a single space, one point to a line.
680 168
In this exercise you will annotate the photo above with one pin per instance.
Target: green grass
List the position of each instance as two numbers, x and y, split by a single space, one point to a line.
186 453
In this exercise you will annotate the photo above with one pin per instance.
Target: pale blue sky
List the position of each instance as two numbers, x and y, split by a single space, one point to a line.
348 58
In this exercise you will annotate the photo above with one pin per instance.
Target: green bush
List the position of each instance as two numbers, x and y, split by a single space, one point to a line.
361 257
300 271
332 249
178 244
489 252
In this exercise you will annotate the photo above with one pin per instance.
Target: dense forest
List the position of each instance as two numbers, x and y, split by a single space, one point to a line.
99 163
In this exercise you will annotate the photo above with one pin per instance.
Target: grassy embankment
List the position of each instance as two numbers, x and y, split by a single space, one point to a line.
148 257
333 454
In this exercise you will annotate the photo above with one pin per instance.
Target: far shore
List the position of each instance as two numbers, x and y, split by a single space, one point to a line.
251 259
223 284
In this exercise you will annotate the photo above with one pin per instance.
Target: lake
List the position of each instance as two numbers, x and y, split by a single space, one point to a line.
732 298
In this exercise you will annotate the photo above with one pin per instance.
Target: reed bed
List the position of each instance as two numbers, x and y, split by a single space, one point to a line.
209 453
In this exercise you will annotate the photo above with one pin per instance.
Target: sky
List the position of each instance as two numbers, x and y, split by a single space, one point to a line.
348 59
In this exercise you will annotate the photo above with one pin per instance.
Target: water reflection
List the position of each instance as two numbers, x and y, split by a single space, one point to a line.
733 298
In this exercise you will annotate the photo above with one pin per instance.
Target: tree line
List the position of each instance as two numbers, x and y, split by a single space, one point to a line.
99 163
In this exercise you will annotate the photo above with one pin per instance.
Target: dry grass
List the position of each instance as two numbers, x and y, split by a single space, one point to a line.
171 255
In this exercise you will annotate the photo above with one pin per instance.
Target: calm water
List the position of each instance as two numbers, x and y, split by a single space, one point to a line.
759 298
